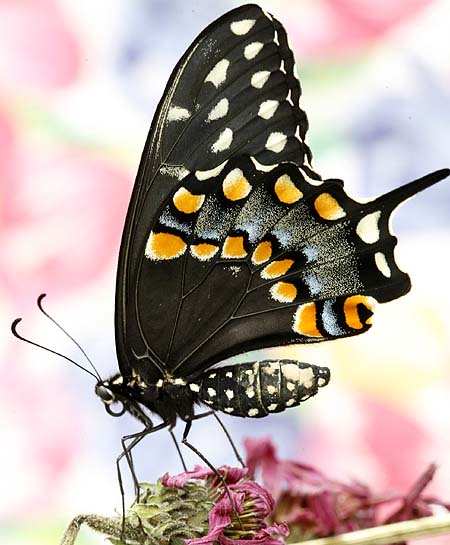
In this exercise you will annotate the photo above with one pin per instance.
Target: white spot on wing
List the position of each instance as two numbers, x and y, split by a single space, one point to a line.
253 412
229 409
219 73
276 142
275 38
367 228
271 389
268 108
272 407
382 264
251 50
229 374
224 141
178 114
220 110
240 28
259 79
290 402
310 180
194 387
261 167
206 174
211 392
175 171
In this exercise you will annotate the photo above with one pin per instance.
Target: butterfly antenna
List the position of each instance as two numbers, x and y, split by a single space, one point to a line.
77 344
16 334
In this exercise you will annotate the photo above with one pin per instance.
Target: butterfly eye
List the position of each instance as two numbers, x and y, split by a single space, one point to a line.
105 394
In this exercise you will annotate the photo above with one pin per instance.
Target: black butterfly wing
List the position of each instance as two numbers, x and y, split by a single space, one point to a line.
257 258
231 241
208 113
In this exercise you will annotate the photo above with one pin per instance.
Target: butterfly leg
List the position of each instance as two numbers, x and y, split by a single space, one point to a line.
135 439
226 432
184 440
177 446
233 446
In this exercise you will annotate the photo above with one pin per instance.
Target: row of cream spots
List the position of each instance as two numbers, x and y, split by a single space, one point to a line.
276 141
215 171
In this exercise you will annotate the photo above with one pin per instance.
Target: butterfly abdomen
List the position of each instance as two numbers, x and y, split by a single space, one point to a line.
255 389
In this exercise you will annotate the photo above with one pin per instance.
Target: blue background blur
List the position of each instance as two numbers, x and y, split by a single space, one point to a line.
79 82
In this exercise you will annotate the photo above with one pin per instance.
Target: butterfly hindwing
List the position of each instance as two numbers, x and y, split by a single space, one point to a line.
267 257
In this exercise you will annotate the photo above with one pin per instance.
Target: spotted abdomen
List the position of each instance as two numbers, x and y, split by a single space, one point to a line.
258 388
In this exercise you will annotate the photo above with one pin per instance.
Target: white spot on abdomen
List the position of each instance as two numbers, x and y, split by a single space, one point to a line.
367 228
291 371
219 73
306 377
240 28
229 394
223 142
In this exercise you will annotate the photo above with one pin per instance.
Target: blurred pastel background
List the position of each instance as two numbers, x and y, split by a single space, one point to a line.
79 82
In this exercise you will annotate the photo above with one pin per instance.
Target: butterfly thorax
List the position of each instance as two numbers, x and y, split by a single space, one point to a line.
169 398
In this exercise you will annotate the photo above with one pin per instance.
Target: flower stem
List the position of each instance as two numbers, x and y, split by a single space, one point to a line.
389 533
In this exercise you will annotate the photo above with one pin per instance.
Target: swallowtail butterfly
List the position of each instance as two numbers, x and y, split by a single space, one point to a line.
232 241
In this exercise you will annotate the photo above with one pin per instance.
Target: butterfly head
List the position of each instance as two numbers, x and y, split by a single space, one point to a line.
111 392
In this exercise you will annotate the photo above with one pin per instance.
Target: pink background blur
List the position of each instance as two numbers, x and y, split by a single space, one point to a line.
79 82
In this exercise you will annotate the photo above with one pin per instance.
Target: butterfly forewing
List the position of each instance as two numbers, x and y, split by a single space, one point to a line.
233 92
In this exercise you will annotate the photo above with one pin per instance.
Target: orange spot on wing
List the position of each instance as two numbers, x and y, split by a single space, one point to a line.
164 246
234 248
283 292
305 321
328 208
352 315
236 186
277 268
286 190
187 202
204 251
262 253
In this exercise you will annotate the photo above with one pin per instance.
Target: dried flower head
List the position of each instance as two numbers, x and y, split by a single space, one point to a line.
315 506
240 510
